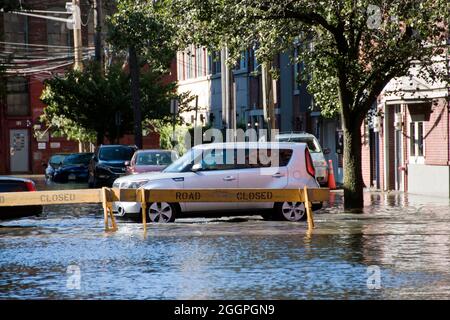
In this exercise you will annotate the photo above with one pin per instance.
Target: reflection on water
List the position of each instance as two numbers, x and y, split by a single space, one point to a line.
407 237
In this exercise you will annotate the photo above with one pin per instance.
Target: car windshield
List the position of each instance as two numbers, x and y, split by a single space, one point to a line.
76 159
312 143
184 162
57 158
154 158
116 153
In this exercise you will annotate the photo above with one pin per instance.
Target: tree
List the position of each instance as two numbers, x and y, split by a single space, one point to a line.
85 105
138 28
351 50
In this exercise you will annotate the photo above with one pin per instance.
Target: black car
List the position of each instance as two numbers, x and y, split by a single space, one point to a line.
11 184
108 164
54 163
75 167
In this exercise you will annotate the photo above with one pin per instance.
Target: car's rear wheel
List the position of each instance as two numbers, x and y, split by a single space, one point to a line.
161 212
290 211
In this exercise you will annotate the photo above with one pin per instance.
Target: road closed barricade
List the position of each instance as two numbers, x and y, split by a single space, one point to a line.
106 196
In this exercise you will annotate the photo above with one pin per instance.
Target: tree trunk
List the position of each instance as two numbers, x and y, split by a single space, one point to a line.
100 138
135 96
353 182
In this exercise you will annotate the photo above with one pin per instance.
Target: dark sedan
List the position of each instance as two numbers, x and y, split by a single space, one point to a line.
11 184
73 168
54 163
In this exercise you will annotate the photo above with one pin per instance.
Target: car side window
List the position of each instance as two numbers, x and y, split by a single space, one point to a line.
219 159
258 158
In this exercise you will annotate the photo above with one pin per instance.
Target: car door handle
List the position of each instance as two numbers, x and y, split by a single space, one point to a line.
278 175
229 178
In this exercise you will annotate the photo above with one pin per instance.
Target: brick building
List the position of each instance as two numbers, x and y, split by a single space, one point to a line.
40 48
406 147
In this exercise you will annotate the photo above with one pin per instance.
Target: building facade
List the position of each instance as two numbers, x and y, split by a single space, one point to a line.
37 50
199 72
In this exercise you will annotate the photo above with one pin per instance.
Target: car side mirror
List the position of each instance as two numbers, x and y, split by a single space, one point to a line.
326 151
196 167
127 163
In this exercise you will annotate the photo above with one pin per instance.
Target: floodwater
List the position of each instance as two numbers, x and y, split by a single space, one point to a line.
399 248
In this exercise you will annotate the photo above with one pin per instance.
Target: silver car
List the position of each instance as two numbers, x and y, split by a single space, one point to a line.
227 165
314 147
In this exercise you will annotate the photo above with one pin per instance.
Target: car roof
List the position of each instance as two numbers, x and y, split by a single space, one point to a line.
9 178
116 145
242 145
155 150
296 135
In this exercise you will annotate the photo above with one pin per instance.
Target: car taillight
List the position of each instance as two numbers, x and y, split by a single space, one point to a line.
30 186
309 163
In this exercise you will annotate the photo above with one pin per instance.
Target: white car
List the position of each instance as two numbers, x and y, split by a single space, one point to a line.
227 165
317 154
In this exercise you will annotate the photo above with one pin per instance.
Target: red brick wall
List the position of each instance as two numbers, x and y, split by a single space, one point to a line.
436 135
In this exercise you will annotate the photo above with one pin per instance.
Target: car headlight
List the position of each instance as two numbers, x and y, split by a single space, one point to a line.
134 184
116 184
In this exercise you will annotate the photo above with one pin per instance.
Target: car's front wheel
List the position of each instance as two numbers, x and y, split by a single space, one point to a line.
290 211
161 212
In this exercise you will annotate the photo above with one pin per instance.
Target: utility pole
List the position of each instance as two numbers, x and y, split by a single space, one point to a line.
228 104
77 40
135 95
196 110
98 15
268 98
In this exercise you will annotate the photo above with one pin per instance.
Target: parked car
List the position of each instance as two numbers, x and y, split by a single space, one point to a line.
12 184
317 154
108 164
54 163
150 161
206 166
73 168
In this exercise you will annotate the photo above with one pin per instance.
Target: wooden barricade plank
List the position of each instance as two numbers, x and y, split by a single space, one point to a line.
50 197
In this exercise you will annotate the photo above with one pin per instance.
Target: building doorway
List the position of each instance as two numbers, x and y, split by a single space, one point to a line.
19 150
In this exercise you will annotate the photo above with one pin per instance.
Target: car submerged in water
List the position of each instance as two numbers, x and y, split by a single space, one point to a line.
109 163
252 165
74 167
150 160
12 184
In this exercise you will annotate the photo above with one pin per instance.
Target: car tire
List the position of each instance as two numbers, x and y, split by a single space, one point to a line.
161 212
290 211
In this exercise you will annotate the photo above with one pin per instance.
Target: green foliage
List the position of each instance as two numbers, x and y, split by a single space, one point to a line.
140 25
84 104
351 48
165 131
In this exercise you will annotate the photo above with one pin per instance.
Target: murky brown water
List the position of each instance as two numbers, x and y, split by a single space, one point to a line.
406 237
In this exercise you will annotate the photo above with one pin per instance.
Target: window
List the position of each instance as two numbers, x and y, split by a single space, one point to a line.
199 61
17 97
242 64
189 65
258 158
14 29
57 33
416 142
215 62
297 70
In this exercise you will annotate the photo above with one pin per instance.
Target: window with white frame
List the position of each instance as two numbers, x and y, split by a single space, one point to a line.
416 142
17 101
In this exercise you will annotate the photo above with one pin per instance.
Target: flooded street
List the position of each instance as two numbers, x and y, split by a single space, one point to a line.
66 254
